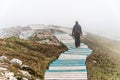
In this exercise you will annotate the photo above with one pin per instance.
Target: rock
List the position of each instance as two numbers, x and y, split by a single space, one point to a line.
6 75
25 78
26 34
13 31
47 40
16 61
9 74
94 61
3 69
25 73
12 78
24 66
2 58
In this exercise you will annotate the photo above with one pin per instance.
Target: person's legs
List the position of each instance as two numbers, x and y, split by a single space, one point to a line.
76 44
77 40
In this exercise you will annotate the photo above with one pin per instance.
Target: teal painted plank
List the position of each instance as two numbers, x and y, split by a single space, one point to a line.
78 60
82 64
72 53
69 62
84 70
77 52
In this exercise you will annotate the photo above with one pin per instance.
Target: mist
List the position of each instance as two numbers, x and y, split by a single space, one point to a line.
96 16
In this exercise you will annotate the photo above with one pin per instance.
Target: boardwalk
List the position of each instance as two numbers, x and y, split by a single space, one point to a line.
71 64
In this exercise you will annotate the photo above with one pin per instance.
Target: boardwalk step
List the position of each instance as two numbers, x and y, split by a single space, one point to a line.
67 68
67 64
66 75
59 61
71 44
79 53
67 41
79 49
72 56
82 70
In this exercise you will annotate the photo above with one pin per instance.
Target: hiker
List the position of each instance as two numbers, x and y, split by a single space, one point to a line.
77 32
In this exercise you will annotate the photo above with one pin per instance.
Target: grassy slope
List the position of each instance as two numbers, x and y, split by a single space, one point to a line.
106 53
33 54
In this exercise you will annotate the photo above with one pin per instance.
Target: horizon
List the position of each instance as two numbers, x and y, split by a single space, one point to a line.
99 16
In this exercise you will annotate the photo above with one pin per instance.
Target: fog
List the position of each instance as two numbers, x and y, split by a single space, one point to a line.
97 16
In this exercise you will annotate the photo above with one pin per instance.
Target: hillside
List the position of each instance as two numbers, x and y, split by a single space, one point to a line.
104 62
32 58
32 54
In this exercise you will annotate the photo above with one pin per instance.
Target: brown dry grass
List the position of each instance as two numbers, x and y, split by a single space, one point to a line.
37 56
106 53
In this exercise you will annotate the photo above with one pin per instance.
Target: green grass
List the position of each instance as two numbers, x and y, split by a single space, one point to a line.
37 56
106 53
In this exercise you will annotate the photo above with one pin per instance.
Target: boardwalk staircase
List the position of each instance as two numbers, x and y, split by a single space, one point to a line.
71 64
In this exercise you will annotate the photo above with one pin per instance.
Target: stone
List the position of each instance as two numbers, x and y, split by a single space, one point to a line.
26 34
25 73
9 74
25 78
16 61
94 61
13 31
3 58
24 66
47 40
12 78
3 69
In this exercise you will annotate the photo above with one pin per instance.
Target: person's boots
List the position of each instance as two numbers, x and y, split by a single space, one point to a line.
76 46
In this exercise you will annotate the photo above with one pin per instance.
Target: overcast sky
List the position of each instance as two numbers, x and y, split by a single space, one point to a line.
93 15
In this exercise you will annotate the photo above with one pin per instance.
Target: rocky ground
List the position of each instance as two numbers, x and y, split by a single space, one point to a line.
6 74
39 33
26 52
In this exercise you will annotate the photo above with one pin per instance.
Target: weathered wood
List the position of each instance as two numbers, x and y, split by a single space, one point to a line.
71 64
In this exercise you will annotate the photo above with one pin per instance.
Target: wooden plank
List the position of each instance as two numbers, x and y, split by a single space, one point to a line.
67 41
66 75
68 64
77 53
63 36
72 56
81 70
71 61
67 68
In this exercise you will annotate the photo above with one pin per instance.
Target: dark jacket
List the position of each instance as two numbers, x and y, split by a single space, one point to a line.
77 29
